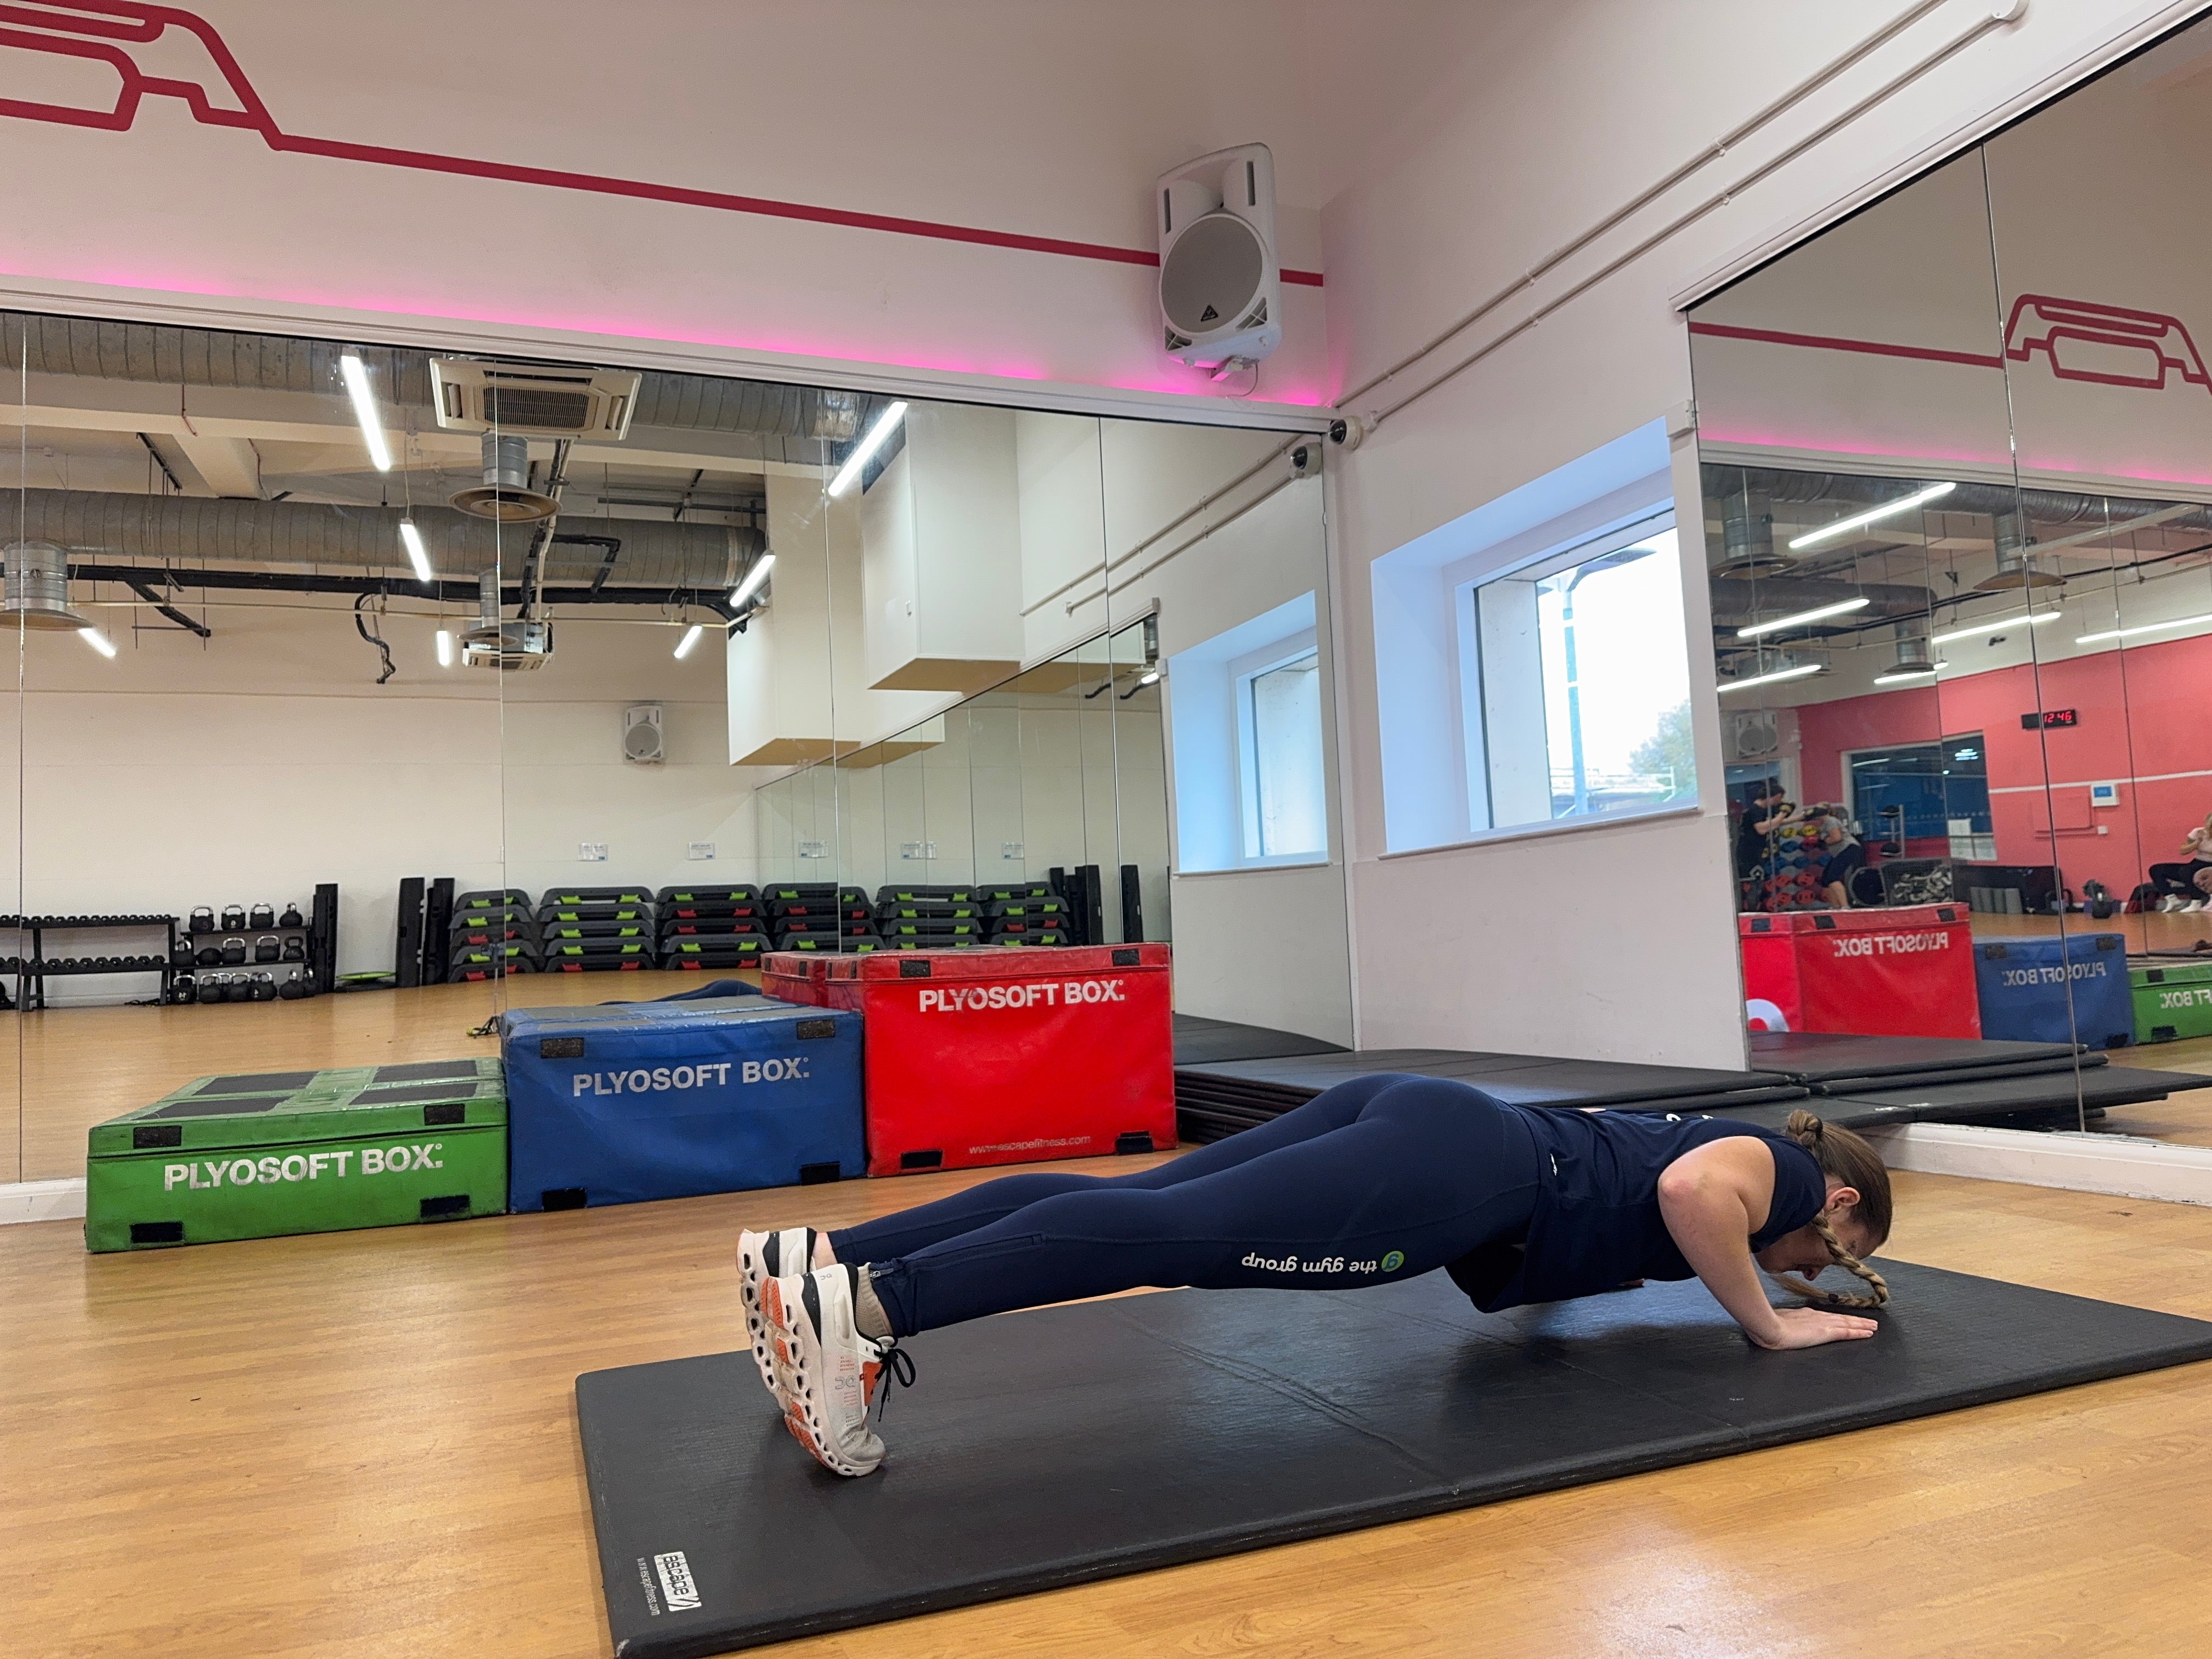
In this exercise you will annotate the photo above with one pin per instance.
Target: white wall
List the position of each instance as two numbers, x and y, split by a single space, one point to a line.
1573 111
269 760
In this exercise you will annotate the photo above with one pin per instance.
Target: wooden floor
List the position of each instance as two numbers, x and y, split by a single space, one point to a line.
362 1445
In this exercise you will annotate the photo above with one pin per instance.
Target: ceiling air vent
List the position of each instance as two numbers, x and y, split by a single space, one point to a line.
536 400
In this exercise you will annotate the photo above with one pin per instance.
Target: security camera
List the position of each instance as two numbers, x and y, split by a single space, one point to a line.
1305 461
1347 431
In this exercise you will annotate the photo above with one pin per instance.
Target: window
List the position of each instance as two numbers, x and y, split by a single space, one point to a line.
1925 798
1579 686
1250 756
1284 796
1487 725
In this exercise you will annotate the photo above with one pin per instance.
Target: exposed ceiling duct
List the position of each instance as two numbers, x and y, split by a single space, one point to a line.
36 595
181 531
1738 604
159 353
1916 660
505 494
507 646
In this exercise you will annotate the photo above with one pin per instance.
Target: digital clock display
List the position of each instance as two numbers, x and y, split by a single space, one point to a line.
2050 719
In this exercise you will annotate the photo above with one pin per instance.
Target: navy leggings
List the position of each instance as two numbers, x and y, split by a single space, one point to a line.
1375 1181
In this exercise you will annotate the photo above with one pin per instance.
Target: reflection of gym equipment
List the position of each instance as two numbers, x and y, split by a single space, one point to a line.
2011 890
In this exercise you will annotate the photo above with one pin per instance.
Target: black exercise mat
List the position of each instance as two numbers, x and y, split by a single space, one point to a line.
1078 1443
2064 1066
1532 1079
1815 1056
1201 1041
1977 1100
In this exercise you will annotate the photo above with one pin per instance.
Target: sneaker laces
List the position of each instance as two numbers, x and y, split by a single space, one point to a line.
898 1368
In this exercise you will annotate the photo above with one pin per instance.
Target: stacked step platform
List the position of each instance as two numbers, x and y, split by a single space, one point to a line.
586 930
1025 913
929 918
494 932
820 916
706 927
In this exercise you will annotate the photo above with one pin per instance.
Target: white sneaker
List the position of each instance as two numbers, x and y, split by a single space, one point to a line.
2170 903
761 1257
2192 907
827 1372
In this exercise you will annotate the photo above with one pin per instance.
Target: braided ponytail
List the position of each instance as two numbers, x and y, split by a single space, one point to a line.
1849 1159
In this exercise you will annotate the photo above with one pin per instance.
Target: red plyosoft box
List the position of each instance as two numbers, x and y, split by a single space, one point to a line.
1003 1055
793 976
1906 972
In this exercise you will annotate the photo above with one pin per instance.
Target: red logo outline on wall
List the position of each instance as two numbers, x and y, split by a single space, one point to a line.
101 31
2045 323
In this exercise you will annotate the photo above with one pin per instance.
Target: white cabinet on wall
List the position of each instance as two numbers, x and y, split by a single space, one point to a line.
941 535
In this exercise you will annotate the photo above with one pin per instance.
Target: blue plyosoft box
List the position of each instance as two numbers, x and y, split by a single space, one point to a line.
2055 990
616 1104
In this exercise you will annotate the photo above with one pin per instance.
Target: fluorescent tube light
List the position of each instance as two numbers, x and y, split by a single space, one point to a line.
1903 504
445 648
1150 677
1896 675
1796 673
412 540
355 375
690 638
886 423
2142 627
1996 623
753 577
1800 619
98 641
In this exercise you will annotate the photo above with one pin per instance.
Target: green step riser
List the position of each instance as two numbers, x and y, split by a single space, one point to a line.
2168 1013
303 1120
320 1187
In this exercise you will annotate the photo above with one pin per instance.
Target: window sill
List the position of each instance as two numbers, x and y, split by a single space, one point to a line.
1556 827
1251 869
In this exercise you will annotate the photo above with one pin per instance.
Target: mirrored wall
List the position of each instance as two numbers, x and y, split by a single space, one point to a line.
1958 519
363 691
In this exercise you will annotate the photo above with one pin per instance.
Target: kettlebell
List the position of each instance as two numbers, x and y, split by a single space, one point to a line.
181 953
184 989
266 949
293 989
291 918
233 952
213 989
264 987
208 956
295 948
234 918
2097 899
263 914
202 920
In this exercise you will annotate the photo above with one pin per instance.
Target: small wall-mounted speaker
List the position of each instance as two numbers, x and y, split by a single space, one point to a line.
642 734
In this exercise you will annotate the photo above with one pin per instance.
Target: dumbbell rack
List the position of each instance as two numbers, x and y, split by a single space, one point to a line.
200 936
32 969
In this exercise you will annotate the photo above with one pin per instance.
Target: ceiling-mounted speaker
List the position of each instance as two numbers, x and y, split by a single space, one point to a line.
1221 285
642 734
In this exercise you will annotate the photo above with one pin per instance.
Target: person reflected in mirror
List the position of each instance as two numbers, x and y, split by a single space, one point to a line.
1763 814
1845 856
2181 886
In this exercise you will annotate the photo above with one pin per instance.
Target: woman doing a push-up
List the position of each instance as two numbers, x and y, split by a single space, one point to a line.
1374 1181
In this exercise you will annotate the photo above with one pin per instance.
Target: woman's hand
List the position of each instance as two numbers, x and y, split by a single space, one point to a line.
1812 1328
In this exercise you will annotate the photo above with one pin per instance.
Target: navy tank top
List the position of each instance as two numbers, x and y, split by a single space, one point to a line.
1596 1223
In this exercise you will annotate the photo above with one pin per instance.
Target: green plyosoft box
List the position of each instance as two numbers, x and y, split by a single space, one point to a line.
2171 1002
361 1147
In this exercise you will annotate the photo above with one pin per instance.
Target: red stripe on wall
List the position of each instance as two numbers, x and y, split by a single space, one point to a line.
1836 343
